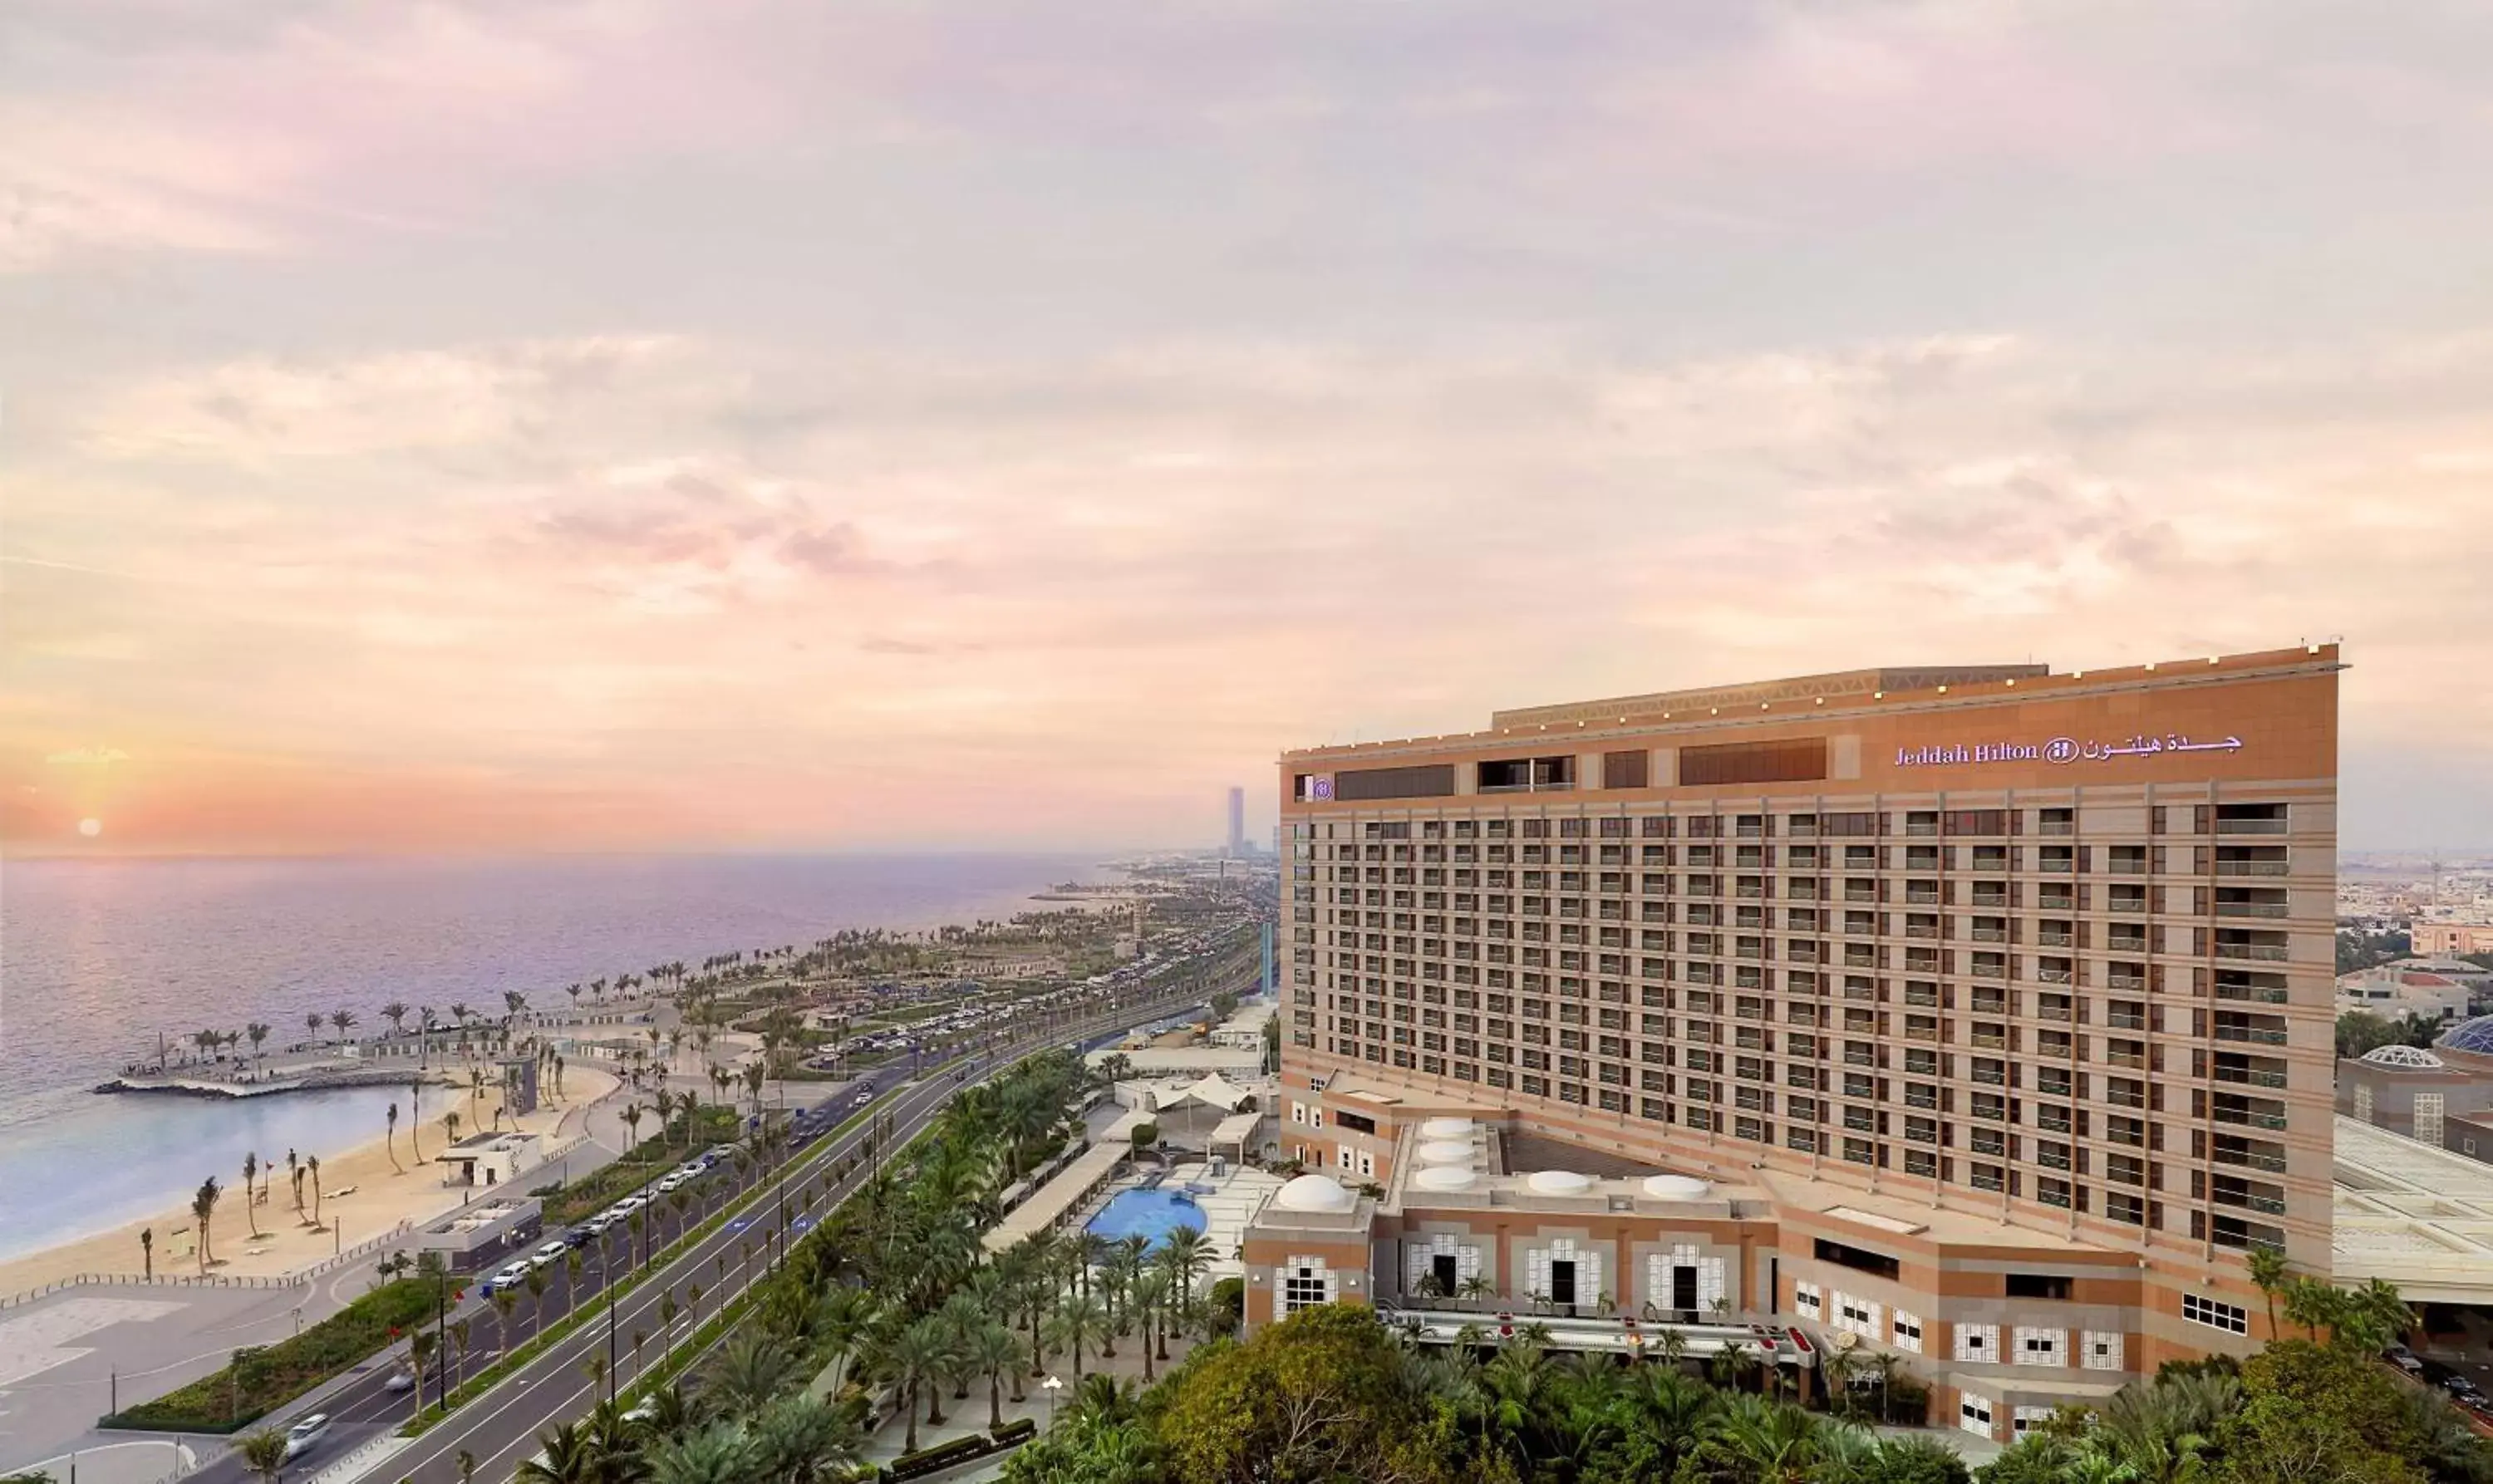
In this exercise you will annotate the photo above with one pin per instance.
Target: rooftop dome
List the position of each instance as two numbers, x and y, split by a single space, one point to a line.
1444 1177
1675 1187
2415 1057
1446 1152
1446 1128
1559 1183
1313 1192
2476 1036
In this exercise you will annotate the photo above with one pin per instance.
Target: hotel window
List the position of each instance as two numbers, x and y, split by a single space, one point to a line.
1973 1415
1857 1316
2042 1346
1305 1284
2230 1317
1908 1331
1805 1297
1977 1342
2100 1350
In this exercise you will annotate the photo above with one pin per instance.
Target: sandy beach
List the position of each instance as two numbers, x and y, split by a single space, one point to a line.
363 1195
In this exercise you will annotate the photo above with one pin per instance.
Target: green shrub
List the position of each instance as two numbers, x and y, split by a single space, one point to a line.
263 1377
1017 1431
943 1455
1229 1297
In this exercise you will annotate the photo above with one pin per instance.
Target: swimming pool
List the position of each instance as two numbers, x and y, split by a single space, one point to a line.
1147 1213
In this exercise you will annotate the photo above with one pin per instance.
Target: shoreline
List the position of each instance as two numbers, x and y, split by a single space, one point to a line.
363 1198
368 1196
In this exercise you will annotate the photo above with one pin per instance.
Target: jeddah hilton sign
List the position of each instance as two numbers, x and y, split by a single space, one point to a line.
2056 750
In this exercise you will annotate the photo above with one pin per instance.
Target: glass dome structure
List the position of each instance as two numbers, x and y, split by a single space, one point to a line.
2476 1036
2413 1057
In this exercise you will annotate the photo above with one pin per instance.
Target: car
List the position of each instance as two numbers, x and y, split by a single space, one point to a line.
673 1181
630 1203
550 1252
860 1100
2404 1359
2457 1385
305 1436
400 1380
645 1410
507 1277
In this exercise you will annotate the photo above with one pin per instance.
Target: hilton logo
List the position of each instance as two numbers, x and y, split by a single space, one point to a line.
1959 753
2056 750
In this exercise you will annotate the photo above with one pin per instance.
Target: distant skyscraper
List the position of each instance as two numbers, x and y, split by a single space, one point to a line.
1237 821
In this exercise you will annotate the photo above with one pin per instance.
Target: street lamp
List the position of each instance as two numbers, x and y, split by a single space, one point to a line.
1051 1386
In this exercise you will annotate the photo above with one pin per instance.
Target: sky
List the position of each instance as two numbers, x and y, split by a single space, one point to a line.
549 425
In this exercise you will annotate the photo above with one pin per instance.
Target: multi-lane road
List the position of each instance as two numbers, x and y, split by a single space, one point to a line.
499 1429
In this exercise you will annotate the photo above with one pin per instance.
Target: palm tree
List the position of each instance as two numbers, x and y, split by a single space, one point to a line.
993 1350
803 1439
718 1454
395 1012
263 1452
420 1346
203 1207
2311 1303
312 1166
569 1454
632 1121
1773 1442
463 1333
258 1031
390 1139
147 1250
2270 1273
450 1125
536 1286
506 1302
250 1176
917 1358
754 1368
345 1020
1078 1320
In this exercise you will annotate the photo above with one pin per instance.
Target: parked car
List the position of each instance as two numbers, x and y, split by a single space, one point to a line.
304 1436
2404 1359
511 1276
550 1252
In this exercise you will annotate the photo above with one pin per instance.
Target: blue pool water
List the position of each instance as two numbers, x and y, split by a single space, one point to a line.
1150 1213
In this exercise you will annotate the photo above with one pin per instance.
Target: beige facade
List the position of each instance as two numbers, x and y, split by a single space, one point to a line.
2014 966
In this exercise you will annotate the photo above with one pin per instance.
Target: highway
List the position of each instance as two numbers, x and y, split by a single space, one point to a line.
500 1428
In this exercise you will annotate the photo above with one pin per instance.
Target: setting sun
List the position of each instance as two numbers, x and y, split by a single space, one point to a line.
90 828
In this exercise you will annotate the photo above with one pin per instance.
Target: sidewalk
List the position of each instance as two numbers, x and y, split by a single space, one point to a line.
968 1415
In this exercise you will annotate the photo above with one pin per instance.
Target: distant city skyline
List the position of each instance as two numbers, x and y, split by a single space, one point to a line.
928 427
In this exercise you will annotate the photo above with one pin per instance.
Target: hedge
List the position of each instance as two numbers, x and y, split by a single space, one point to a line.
943 1455
265 1378
1017 1431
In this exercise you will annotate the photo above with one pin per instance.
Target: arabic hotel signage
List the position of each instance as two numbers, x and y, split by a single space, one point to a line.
2056 750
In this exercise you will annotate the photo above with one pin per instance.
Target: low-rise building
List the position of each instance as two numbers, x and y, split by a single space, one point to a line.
2393 992
2418 1091
479 1237
492 1159
2451 938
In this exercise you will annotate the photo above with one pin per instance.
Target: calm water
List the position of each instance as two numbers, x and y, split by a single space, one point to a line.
98 957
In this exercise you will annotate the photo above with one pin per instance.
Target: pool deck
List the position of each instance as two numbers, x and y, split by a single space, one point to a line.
1048 1206
1227 1208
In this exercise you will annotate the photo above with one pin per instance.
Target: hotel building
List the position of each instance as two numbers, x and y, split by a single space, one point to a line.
1981 1016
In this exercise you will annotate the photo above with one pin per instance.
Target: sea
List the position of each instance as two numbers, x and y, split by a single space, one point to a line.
98 959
